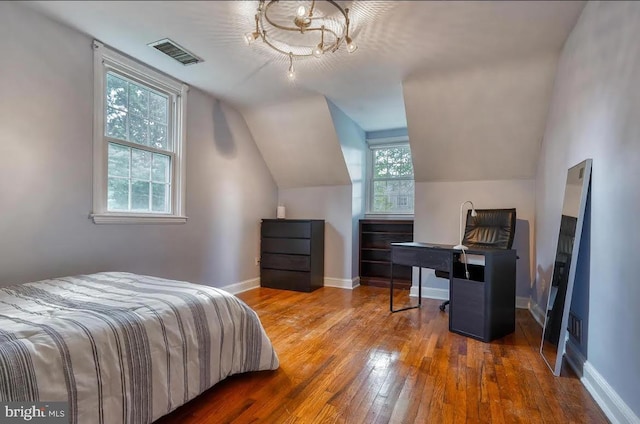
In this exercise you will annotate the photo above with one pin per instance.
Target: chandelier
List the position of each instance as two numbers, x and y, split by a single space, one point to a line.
301 29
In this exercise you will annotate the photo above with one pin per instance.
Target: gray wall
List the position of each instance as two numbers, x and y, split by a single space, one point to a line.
354 149
333 204
437 219
594 114
46 112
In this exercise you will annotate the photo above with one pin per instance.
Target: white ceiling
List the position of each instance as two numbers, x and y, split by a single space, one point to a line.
395 39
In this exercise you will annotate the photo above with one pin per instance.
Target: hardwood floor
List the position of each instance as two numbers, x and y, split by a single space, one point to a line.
345 359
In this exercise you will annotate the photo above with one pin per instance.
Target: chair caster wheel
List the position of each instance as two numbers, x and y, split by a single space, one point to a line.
442 307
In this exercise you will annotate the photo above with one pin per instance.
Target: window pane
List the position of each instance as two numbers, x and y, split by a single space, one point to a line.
138 130
160 170
118 194
140 195
393 162
141 164
380 170
158 107
393 196
135 113
160 201
118 161
116 123
138 100
159 136
116 92
380 163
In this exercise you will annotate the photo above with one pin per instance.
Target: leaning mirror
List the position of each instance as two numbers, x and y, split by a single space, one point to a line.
554 334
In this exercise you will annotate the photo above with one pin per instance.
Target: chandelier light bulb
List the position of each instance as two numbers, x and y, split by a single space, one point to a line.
291 74
351 46
248 38
319 49
302 11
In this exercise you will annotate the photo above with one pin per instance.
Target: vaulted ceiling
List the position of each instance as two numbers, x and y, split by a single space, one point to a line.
468 79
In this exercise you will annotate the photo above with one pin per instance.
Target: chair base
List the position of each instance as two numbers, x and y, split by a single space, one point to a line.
443 305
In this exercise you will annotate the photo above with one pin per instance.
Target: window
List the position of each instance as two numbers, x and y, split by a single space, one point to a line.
138 142
391 183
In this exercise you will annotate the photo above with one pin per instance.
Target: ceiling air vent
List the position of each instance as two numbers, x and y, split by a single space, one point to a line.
174 51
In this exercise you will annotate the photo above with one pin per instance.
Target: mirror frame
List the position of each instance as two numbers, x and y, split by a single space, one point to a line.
586 183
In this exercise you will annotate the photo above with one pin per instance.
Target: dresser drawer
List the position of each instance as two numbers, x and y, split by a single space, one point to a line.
286 229
286 262
288 280
286 246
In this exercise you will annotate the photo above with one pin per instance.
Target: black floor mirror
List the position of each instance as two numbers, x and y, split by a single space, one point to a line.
554 335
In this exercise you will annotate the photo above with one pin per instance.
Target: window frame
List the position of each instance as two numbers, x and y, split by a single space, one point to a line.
383 144
105 60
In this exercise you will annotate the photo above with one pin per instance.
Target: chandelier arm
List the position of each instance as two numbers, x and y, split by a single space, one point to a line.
313 4
265 15
331 46
279 50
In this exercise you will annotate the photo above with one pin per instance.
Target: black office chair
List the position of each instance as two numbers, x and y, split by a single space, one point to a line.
491 228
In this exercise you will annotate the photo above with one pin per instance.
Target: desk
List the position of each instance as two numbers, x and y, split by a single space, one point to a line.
481 306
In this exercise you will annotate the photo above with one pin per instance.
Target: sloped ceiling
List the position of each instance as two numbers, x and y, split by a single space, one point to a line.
479 123
298 142
395 39
451 71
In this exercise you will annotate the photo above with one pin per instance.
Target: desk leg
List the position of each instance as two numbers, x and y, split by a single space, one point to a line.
419 287
419 292
391 289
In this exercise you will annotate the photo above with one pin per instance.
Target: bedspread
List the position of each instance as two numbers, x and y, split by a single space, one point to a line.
123 348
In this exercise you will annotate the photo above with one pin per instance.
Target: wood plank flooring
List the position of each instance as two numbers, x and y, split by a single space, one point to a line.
345 359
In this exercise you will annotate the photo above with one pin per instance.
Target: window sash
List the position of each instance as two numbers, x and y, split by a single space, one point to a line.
131 179
152 88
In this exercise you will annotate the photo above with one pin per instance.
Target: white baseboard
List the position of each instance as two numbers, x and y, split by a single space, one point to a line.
537 312
443 294
430 293
575 358
242 286
616 410
522 302
342 283
254 283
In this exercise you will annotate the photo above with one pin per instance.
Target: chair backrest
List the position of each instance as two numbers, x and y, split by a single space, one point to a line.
491 228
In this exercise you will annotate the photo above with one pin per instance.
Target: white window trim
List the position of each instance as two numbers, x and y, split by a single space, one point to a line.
381 144
104 59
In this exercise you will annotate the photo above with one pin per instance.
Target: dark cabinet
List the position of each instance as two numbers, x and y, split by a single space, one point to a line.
483 305
292 254
376 236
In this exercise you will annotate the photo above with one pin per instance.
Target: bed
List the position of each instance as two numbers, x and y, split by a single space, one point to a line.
121 347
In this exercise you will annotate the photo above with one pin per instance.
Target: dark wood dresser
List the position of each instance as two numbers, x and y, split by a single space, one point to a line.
292 254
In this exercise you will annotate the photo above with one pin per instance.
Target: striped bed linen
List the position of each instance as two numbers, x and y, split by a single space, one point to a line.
121 347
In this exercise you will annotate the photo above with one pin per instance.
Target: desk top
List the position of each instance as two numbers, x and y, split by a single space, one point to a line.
449 247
